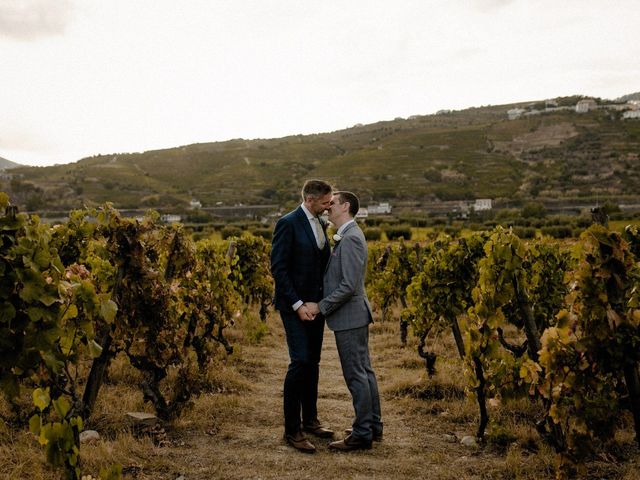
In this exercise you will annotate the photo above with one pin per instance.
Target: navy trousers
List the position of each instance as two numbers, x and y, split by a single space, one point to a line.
304 340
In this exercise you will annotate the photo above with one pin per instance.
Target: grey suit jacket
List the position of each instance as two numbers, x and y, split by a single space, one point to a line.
345 305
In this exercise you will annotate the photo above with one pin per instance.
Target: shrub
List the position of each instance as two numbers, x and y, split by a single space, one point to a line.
452 231
265 233
230 231
372 233
560 231
395 232
524 232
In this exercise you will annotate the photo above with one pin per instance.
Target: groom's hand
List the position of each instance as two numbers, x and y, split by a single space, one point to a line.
304 313
313 308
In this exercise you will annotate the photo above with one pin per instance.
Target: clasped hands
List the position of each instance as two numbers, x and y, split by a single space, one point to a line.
308 311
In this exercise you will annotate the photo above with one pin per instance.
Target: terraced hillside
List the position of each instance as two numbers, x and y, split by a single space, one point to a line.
475 153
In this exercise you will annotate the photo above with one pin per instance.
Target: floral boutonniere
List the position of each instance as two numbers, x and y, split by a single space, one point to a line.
337 238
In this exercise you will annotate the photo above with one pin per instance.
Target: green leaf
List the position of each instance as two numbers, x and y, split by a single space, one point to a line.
7 312
94 349
108 310
35 424
36 313
62 406
41 398
42 258
72 312
66 344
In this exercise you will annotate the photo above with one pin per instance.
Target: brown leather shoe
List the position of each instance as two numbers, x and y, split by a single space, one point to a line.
377 437
300 442
318 430
350 443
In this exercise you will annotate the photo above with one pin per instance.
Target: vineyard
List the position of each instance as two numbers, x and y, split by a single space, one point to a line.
530 348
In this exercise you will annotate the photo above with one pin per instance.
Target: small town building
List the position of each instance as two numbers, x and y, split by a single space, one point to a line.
583 106
631 114
379 209
170 218
482 204
362 214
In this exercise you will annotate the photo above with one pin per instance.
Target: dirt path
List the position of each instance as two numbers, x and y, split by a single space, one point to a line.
249 444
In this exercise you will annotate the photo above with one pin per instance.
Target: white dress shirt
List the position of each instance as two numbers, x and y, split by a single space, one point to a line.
310 217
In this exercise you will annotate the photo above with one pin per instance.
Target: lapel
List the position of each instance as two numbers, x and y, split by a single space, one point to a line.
335 248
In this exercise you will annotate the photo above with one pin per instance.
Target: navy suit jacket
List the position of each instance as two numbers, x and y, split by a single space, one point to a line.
297 264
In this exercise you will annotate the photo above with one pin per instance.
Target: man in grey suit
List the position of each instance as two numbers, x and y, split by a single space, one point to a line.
347 312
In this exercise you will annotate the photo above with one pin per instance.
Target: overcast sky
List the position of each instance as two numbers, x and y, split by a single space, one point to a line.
83 77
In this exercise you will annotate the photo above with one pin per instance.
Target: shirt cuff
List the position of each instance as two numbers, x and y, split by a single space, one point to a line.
297 305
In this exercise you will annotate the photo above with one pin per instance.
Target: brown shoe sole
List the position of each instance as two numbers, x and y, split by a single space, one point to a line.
377 437
303 445
345 447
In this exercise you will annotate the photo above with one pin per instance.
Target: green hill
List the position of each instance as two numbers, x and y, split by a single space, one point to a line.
552 156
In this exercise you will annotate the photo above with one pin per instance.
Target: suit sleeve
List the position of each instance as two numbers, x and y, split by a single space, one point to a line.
352 261
281 248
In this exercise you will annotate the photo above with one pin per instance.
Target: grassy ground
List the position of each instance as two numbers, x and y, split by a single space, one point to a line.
235 430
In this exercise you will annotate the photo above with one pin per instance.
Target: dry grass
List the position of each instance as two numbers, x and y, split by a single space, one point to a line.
234 430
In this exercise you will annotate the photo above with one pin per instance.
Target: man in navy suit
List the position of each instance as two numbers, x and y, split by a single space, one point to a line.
299 254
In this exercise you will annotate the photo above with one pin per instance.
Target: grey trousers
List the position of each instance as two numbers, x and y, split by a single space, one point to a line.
353 349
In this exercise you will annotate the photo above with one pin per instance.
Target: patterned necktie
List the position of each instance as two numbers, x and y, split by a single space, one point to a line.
319 233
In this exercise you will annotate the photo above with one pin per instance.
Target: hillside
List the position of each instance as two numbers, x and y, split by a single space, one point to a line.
4 164
553 156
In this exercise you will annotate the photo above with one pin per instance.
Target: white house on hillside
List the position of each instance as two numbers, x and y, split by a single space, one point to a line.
170 218
362 213
583 106
482 204
380 208
195 204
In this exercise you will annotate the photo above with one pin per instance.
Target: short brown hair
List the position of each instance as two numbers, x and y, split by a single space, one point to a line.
354 203
315 189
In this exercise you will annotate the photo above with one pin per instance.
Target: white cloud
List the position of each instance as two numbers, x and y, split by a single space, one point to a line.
33 19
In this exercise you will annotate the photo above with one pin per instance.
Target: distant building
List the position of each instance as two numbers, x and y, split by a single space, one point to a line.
362 213
631 114
170 218
515 113
583 106
482 204
379 209
195 204
550 103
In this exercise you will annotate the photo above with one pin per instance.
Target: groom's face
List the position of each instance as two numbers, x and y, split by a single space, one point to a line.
320 204
335 209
